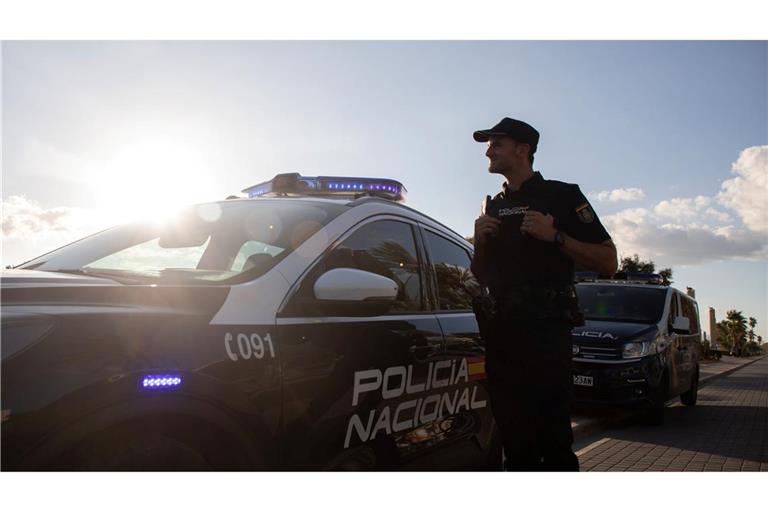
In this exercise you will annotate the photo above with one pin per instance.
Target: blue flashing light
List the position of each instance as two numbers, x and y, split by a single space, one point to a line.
161 381
294 184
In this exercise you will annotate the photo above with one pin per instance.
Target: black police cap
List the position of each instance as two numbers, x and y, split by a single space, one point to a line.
518 130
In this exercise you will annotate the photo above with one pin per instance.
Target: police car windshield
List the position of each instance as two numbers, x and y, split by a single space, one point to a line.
617 303
205 244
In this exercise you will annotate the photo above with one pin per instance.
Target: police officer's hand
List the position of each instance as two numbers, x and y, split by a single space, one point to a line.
539 226
485 226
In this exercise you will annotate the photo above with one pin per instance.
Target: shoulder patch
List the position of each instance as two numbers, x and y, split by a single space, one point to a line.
586 213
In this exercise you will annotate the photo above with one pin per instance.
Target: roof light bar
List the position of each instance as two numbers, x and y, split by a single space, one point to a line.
294 184
642 277
620 277
586 276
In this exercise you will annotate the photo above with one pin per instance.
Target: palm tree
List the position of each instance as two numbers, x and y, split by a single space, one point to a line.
736 330
751 332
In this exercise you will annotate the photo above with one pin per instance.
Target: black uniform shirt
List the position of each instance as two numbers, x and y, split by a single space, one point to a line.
518 260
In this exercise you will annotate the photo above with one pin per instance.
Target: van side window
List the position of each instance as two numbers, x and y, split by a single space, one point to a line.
696 316
689 311
673 312
456 286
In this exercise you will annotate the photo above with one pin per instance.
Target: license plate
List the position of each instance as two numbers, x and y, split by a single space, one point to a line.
583 380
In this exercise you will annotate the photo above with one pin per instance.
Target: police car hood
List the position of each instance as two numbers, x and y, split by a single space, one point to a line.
74 331
62 294
31 278
612 331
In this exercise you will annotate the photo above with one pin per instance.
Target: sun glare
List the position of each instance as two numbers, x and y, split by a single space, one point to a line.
153 178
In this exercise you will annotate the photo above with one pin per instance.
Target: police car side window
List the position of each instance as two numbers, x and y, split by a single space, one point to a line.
456 286
387 248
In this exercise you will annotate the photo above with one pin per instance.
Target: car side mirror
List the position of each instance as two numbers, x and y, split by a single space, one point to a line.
681 325
349 291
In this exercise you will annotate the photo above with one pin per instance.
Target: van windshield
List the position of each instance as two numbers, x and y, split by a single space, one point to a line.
223 242
621 303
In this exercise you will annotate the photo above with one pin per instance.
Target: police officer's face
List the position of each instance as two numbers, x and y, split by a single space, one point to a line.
505 154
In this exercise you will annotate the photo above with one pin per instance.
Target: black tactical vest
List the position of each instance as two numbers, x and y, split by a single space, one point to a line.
518 261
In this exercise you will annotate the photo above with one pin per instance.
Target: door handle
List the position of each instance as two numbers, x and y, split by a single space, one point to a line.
423 352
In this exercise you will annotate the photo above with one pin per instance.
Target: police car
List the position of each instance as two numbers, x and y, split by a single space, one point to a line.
640 344
316 324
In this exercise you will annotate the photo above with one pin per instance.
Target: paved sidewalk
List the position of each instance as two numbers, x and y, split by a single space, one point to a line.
726 431
709 369
587 422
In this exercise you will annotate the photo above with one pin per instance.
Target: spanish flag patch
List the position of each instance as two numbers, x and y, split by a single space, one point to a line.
586 213
475 368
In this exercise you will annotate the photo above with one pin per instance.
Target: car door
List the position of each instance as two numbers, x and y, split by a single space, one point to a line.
358 390
454 287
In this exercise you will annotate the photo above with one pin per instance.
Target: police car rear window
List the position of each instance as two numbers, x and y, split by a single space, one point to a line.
205 244
614 303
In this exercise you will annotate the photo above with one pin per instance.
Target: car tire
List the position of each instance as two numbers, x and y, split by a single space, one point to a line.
690 397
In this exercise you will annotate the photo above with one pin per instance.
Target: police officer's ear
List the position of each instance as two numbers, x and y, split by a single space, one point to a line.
522 149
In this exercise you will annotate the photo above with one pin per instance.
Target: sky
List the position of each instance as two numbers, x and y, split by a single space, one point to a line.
669 140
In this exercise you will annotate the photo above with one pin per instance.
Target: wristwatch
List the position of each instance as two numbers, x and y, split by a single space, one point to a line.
559 240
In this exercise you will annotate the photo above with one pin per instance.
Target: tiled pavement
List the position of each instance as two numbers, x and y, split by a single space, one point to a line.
726 431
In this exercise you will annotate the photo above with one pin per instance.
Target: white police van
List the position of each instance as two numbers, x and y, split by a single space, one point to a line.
640 344
317 324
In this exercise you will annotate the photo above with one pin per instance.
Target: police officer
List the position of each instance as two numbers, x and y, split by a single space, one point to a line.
527 241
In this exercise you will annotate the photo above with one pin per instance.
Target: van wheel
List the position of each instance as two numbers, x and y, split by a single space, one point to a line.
689 397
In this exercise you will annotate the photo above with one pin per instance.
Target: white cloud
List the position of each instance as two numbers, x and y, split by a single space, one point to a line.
619 194
747 193
639 231
717 215
691 230
678 207
689 208
26 219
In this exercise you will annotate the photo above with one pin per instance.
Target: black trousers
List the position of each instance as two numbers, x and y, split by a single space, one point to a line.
529 368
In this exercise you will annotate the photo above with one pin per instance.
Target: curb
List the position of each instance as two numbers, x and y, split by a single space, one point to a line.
588 428
727 372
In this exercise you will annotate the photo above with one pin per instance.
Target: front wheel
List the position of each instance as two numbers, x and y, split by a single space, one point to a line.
689 397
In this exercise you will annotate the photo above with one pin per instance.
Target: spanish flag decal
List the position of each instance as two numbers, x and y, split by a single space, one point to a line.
475 368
